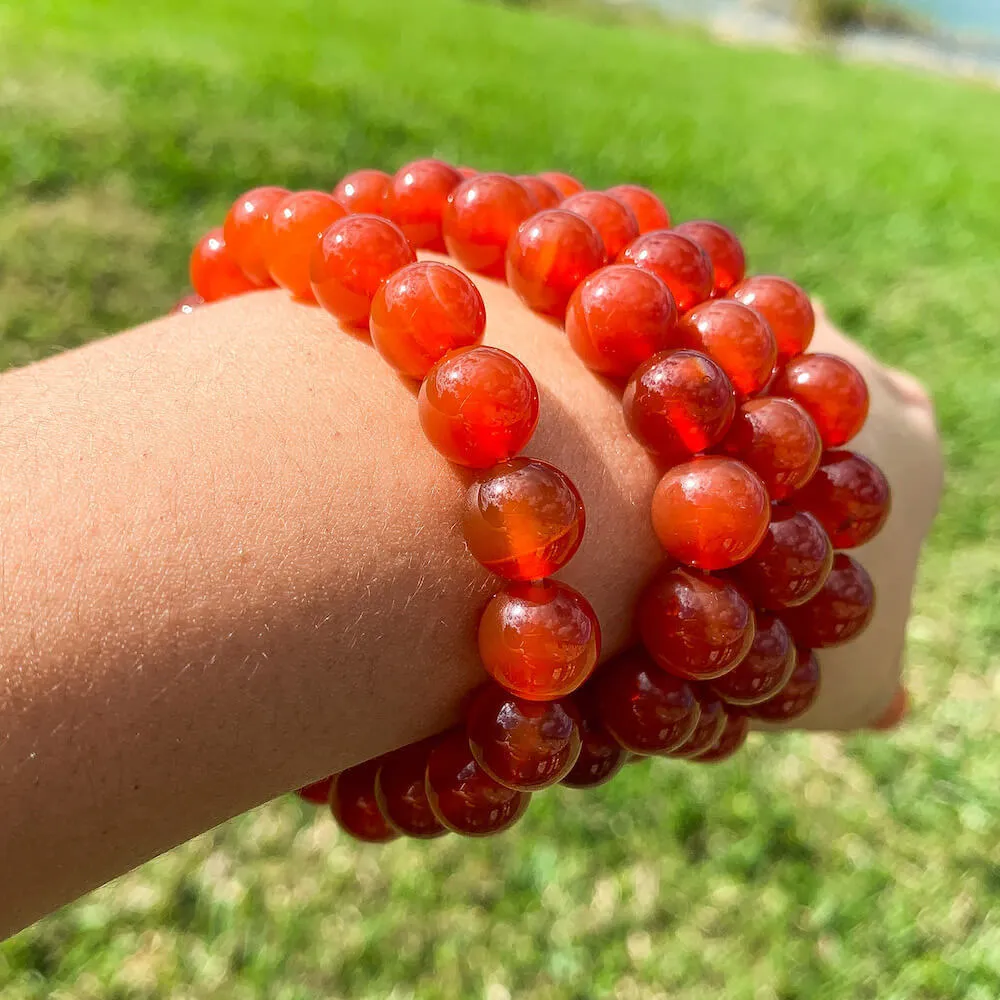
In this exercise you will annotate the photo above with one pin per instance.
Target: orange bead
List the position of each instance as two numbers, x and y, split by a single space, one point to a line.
401 792
734 735
729 262
363 191
785 306
354 806
648 210
798 693
840 610
246 229
423 311
415 200
543 194
613 220
684 267
316 793
565 184
712 720
467 172
478 406
539 640
356 254
298 222
214 272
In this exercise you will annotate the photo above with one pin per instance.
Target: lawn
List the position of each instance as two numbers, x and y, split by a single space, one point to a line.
812 867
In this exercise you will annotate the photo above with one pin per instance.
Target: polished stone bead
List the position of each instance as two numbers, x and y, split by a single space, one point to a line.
612 219
712 719
841 609
798 693
649 211
316 793
401 792
246 230
298 222
785 306
363 191
729 262
214 272
354 806
415 199
565 184
684 267
734 735
543 193
601 755
831 390
766 667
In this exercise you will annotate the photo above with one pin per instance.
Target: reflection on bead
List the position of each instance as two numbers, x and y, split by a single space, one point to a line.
764 671
841 609
601 755
798 693
353 804
246 229
214 272
612 219
415 198
363 191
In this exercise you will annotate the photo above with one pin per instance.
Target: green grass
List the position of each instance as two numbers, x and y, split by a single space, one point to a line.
812 868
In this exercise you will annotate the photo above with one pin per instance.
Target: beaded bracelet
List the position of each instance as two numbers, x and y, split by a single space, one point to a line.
755 495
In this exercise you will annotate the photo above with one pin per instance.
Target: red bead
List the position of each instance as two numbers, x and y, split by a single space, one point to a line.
549 255
467 172
526 745
356 254
778 440
539 640
478 406
187 305
523 520
363 191
214 272
463 797
831 390
799 692
711 512
736 338
246 230
415 200
480 217
298 222
790 564
565 184
711 723
646 710
423 311
401 792
612 219
354 806
317 792
693 625
678 403
785 306
648 210
841 609
543 193
764 670
601 755
849 496
734 735
681 263
729 262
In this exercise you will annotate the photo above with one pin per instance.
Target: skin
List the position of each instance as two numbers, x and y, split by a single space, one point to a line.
230 564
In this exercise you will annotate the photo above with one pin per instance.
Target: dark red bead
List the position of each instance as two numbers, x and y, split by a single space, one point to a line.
841 609
601 755
354 806
734 735
317 792
415 199
363 191
648 210
612 219
785 306
401 792
684 267
798 693
764 670
729 262
711 723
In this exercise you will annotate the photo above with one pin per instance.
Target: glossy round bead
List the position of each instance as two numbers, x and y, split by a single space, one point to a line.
681 263
565 184
841 609
539 640
317 793
734 735
526 745
711 723
523 520
214 272
646 710
648 210
354 806
363 191
463 797
612 219
542 192
415 200
467 172
693 625
601 755
831 390
849 496
791 563
711 512
356 254
678 403
423 311
785 306
298 222
401 792
736 338
478 406
764 670
187 305
246 230
729 262
798 693
480 217
778 440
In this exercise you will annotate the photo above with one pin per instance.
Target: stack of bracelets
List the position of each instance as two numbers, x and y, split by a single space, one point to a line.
756 492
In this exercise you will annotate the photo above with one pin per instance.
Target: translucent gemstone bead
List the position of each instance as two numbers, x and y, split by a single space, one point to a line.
798 693
681 263
401 792
764 670
849 496
539 640
601 755
618 318
612 219
711 723
298 222
354 806
187 305
841 609
549 255
678 403
778 440
478 406
423 311
736 338
542 192
415 200
246 229
711 512
463 797
734 735
356 254
648 210
831 390
526 745
480 217
362 192
785 306
214 272
523 520
317 792
693 625
565 184
467 172
729 262
790 564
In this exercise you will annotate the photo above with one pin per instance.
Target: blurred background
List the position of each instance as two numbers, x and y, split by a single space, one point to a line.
808 868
